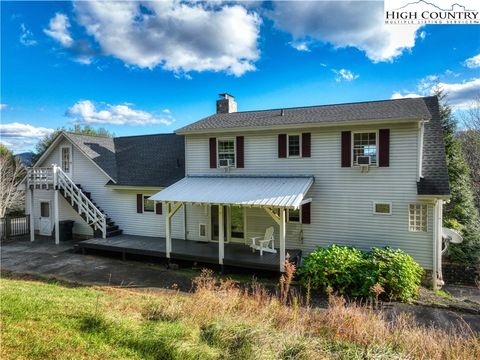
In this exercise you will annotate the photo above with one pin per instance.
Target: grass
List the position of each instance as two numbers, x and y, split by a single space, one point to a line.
220 320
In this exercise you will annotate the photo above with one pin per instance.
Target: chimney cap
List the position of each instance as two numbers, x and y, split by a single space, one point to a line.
226 96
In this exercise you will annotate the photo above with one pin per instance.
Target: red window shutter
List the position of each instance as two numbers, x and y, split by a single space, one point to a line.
213 153
346 148
282 145
306 213
240 152
139 203
384 147
306 144
158 208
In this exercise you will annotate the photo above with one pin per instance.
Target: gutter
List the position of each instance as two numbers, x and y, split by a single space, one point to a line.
181 131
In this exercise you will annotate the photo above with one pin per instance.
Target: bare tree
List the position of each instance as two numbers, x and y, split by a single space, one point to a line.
470 140
11 174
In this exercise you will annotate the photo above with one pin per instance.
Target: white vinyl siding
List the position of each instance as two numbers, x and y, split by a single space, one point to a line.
340 195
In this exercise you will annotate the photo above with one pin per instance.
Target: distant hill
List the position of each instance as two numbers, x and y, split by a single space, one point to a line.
25 158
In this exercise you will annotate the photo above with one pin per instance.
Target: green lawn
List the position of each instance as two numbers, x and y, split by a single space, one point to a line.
41 320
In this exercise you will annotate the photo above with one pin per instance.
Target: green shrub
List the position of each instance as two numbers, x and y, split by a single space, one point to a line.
350 271
397 272
340 267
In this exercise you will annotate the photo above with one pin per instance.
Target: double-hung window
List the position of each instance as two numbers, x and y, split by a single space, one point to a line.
293 216
148 205
365 144
226 150
418 217
293 145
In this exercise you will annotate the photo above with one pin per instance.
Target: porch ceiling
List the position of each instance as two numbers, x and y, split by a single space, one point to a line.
255 191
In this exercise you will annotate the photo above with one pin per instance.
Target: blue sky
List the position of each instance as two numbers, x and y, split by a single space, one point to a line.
140 68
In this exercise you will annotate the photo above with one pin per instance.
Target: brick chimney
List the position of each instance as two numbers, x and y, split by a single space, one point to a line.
226 104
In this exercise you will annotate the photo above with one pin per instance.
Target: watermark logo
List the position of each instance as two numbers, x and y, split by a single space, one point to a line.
420 12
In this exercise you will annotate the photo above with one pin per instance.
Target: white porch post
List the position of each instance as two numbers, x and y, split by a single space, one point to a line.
55 206
168 219
32 214
170 211
282 239
221 235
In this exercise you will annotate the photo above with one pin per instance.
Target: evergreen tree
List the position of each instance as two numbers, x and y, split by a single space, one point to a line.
460 213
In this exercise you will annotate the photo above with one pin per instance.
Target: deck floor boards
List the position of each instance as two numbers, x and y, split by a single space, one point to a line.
235 254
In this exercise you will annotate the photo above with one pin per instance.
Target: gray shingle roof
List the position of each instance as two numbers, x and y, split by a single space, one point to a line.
374 110
100 149
434 166
150 160
147 160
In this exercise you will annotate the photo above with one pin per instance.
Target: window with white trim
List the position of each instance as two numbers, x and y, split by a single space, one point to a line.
293 142
226 150
382 208
66 159
202 230
293 216
148 205
418 217
365 144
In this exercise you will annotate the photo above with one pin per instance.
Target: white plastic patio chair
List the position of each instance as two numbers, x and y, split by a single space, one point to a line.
266 244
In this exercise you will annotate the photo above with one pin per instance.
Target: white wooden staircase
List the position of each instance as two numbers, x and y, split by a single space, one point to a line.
80 200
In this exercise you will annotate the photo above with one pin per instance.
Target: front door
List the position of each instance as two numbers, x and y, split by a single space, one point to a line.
214 223
237 223
45 221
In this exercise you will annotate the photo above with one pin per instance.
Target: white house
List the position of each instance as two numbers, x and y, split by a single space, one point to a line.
362 174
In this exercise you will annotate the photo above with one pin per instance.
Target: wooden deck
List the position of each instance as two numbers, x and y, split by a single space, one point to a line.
239 255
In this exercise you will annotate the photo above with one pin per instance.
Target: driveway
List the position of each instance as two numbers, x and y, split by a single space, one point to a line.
43 257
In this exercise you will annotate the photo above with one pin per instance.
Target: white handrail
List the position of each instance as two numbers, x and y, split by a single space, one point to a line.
93 215
54 176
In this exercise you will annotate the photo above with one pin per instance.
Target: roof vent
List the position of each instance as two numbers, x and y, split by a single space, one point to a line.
282 112
226 104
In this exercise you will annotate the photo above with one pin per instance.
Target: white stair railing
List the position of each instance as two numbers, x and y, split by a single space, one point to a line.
93 216
41 178
54 177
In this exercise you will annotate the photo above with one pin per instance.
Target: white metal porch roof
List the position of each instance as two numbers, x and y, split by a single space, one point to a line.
259 191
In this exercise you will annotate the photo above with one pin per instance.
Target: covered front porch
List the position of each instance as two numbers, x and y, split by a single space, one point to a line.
275 195
237 255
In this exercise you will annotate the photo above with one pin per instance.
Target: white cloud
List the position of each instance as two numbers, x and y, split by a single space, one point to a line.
345 24
473 62
58 29
85 112
300 46
422 35
22 137
26 36
399 95
459 95
178 36
345 75
3 106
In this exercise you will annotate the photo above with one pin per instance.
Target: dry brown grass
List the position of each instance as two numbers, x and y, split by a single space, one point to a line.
273 325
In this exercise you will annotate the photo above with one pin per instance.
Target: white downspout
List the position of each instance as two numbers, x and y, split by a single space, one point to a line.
421 132
437 278
435 257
